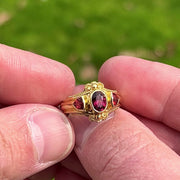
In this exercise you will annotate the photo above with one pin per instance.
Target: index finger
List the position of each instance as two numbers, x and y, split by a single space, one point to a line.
147 88
29 78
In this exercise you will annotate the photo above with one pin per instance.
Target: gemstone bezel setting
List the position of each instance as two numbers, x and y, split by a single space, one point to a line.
92 105
114 95
79 103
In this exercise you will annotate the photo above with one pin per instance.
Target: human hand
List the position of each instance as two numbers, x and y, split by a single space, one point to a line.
32 136
115 149
144 142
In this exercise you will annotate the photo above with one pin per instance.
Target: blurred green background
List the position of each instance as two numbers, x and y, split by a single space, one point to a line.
83 34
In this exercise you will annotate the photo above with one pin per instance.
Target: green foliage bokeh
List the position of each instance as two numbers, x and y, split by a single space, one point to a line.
86 33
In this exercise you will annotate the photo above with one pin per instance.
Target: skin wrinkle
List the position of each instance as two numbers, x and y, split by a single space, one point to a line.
114 146
46 68
2 155
161 117
117 167
113 157
10 146
4 158
13 62
163 132
38 74
133 170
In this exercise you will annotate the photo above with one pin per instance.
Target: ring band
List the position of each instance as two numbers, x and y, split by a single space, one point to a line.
95 101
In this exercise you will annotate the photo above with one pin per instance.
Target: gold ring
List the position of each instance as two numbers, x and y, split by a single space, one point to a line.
95 101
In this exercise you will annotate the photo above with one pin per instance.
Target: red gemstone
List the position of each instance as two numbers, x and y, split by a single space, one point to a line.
78 103
99 101
115 99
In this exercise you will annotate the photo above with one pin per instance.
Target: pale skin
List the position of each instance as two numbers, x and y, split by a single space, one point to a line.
141 141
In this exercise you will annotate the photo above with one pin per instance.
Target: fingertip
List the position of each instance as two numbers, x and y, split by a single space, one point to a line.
113 64
36 136
39 79
69 80
145 86
108 64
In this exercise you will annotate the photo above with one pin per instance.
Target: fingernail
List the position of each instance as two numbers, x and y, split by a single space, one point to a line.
52 134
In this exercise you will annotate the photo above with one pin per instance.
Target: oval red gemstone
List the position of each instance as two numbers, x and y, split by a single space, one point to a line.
115 99
99 101
78 103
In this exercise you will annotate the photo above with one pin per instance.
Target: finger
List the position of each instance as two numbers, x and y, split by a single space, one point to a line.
29 78
123 148
147 88
64 173
32 138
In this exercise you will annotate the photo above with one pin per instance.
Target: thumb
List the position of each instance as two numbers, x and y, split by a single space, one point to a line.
123 148
32 137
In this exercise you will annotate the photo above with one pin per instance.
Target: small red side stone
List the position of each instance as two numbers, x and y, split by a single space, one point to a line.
115 99
78 103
